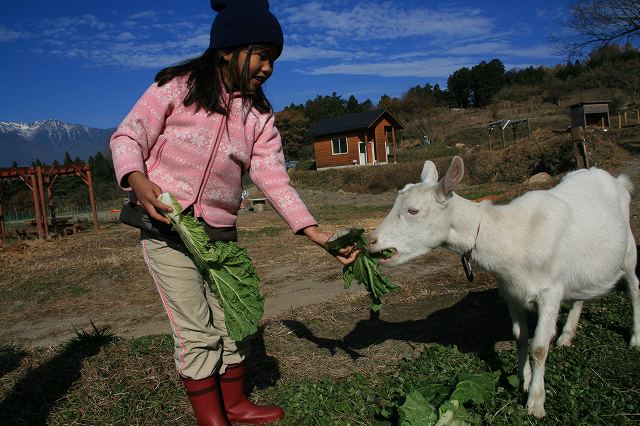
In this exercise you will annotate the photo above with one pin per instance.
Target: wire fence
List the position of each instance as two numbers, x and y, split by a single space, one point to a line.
107 211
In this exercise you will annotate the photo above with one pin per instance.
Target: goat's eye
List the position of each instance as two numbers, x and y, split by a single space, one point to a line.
413 211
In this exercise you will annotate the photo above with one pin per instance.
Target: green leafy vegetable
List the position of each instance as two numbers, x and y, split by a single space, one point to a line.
475 387
416 411
227 269
453 413
366 268
419 406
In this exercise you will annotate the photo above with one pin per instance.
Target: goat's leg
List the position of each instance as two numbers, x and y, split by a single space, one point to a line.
569 330
632 284
521 334
548 308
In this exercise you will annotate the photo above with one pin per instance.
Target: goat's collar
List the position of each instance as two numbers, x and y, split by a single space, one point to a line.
466 257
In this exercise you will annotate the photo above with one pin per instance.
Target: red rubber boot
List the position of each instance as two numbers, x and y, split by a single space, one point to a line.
239 409
205 400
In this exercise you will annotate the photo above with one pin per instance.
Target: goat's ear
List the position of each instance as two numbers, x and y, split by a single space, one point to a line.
451 179
429 172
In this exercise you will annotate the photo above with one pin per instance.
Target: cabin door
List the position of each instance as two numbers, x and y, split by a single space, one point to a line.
362 147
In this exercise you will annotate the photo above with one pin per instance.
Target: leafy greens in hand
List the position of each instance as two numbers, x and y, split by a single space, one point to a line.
366 268
227 269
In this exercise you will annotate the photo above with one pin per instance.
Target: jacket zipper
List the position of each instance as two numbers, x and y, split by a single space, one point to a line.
157 160
197 211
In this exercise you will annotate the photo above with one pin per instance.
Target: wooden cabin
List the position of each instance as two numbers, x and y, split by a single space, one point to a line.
590 113
363 138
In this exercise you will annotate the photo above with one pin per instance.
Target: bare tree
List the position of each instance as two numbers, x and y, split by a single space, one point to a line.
629 79
594 24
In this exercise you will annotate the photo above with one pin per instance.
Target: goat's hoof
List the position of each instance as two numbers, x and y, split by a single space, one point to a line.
563 341
536 410
635 341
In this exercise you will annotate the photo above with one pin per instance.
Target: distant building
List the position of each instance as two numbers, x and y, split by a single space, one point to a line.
590 113
357 139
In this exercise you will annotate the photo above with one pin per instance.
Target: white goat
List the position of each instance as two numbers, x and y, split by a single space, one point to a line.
571 242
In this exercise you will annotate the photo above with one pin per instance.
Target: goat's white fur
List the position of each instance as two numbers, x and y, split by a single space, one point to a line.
572 242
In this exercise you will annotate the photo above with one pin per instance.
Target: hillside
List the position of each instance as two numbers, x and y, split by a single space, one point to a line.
464 132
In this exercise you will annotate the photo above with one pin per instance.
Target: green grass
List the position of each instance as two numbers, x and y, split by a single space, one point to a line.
427 152
475 135
594 382
97 379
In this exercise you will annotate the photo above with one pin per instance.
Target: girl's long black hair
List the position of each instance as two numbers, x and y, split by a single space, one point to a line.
206 83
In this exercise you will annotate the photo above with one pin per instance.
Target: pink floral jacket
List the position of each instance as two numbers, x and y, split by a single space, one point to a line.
200 157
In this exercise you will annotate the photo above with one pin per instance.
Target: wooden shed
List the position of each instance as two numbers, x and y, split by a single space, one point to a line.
590 113
357 139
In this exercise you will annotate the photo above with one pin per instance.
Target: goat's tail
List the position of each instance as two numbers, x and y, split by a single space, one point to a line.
626 182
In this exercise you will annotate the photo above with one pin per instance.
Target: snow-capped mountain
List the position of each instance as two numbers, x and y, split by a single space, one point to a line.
48 140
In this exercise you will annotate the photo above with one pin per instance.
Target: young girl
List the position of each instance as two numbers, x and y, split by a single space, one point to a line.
193 133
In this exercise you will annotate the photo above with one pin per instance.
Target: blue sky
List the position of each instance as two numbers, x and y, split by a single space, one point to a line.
87 62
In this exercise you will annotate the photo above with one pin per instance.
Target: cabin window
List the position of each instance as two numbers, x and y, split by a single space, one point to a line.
339 145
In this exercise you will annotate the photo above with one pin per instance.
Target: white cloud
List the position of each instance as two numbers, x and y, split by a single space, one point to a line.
298 53
501 49
428 68
144 15
147 40
362 21
7 35
555 14
396 40
324 37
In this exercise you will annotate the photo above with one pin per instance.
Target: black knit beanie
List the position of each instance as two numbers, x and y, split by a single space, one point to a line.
243 22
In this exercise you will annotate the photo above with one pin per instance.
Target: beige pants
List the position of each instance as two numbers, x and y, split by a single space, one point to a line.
201 341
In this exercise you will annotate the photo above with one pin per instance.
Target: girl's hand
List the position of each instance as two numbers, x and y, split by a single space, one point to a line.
345 256
147 193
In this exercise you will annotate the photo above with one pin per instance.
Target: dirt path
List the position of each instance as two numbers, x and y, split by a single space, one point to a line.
50 289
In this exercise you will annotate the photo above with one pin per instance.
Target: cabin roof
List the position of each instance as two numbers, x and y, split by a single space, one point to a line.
359 120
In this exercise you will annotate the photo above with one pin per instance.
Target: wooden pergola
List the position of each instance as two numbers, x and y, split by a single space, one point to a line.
36 178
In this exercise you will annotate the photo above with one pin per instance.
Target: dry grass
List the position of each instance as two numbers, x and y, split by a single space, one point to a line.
49 287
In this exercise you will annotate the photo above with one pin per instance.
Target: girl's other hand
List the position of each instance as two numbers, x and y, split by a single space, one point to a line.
147 193
345 256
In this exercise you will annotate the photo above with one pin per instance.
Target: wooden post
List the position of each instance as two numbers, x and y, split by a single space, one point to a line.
579 148
625 118
489 134
50 181
395 145
602 122
42 203
2 228
619 121
36 206
92 200
504 144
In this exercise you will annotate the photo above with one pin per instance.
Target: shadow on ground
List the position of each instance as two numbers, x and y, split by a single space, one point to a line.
263 370
33 396
10 358
474 324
